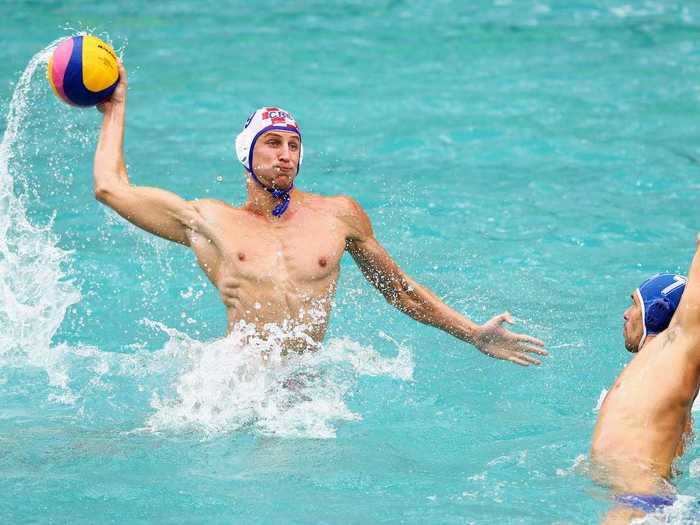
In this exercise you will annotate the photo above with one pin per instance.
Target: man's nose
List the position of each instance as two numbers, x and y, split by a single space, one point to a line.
284 152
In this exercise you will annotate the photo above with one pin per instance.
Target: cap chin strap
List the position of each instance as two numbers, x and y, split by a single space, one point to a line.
278 210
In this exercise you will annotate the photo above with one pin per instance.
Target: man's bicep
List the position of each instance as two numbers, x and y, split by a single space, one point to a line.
367 253
157 211
375 263
355 219
370 256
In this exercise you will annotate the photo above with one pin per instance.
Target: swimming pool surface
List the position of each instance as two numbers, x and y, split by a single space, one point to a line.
541 157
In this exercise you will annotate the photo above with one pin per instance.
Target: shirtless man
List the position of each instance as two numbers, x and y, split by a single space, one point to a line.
276 259
646 416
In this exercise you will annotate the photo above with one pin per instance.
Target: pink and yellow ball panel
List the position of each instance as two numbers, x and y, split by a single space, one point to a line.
83 70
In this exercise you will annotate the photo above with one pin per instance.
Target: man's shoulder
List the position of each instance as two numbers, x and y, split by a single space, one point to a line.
339 205
213 202
214 206
346 210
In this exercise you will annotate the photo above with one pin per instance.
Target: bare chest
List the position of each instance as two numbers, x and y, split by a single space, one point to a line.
656 383
299 252
302 256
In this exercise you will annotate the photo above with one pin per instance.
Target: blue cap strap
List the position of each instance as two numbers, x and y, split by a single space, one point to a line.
278 210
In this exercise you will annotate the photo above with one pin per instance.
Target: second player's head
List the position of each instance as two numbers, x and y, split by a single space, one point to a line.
653 306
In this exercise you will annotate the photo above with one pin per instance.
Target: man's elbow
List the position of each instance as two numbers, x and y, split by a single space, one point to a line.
105 192
102 194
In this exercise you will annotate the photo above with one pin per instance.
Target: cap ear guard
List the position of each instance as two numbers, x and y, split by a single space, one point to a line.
242 149
658 315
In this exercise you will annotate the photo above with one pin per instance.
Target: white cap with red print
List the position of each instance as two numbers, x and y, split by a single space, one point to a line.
263 120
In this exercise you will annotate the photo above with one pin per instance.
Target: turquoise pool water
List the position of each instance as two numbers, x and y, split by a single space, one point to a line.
540 157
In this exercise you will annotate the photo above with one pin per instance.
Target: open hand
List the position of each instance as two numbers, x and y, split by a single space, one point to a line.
495 341
119 94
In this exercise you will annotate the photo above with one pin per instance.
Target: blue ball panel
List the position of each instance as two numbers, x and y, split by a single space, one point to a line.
73 85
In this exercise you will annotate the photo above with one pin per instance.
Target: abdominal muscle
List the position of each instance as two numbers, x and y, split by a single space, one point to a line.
279 277
297 317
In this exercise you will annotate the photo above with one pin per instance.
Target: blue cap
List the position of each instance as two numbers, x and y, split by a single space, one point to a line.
659 297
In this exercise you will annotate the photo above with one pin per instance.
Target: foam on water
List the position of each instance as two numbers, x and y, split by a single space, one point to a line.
684 511
226 385
237 383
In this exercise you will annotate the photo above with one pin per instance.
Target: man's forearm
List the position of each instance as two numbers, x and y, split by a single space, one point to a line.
109 168
422 305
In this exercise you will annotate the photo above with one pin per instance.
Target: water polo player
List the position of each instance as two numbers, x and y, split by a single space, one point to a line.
276 259
646 414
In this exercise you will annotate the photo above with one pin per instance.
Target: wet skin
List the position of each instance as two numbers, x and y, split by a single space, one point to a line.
646 416
282 271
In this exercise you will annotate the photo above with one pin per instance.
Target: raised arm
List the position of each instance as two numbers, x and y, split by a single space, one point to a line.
687 315
157 211
422 305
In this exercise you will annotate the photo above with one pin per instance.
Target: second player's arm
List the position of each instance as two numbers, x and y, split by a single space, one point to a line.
687 316
157 211
421 304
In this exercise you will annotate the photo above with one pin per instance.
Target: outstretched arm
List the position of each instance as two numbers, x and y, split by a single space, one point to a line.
157 211
422 305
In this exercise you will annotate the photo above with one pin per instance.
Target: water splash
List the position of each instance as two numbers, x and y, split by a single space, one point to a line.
684 511
227 385
34 291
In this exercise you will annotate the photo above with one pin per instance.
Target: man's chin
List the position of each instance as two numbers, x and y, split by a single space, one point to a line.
282 182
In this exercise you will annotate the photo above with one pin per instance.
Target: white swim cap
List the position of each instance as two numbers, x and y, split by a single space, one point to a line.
263 120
